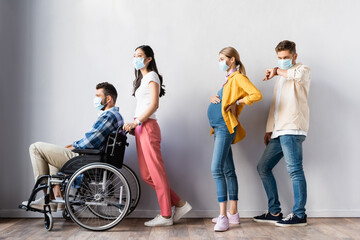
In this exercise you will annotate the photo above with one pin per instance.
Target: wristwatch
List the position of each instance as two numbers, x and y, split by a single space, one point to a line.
275 69
137 121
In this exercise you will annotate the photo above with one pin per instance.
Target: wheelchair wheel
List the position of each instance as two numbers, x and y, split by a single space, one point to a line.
103 189
134 186
48 221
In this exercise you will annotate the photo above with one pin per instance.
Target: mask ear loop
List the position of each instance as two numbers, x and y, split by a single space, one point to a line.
105 104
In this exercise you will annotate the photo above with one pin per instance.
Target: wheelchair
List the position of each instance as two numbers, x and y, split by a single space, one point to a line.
99 190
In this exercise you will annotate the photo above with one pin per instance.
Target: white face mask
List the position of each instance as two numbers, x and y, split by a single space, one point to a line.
138 63
285 63
98 105
223 66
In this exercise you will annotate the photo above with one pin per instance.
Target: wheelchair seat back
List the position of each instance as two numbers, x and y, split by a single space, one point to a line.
112 153
115 148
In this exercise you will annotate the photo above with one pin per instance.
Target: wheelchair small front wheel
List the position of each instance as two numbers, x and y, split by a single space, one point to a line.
48 221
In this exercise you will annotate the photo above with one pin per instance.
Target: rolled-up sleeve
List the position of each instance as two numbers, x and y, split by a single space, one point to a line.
299 74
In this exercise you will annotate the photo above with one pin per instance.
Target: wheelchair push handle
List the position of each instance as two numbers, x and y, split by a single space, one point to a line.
132 132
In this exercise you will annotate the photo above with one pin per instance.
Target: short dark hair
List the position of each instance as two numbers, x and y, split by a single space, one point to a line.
108 89
286 45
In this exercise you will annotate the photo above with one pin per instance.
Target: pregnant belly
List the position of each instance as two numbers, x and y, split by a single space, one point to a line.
214 112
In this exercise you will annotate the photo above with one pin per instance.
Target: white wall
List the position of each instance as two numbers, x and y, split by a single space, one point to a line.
52 54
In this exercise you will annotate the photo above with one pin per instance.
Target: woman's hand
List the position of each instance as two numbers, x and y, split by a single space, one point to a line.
215 99
132 132
130 126
231 108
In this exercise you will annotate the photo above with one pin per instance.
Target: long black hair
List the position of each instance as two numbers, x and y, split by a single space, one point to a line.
151 67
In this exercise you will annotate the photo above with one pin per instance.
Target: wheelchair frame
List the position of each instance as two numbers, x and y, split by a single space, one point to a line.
103 198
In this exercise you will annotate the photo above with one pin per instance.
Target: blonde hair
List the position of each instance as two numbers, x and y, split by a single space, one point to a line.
232 52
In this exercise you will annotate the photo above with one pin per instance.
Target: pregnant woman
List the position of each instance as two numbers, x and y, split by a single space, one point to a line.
223 114
148 87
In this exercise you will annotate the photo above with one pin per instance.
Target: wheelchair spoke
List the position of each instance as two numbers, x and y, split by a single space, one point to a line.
102 200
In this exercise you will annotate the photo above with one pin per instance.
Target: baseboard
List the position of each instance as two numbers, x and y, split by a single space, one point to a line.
19 213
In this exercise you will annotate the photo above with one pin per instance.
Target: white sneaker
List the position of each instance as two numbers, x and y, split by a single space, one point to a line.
233 219
39 204
60 205
222 224
159 221
181 211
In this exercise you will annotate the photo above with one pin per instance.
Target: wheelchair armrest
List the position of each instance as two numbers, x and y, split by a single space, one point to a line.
87 151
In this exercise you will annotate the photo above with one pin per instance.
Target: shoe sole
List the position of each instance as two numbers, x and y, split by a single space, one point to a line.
265 221
216 230
214 220
160 225
291 225
229 222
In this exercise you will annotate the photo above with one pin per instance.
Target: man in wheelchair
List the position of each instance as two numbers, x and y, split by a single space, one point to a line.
48 159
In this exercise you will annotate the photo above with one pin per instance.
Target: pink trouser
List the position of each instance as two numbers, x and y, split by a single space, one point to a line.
148 138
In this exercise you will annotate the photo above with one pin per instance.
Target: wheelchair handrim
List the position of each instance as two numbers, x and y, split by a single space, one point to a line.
115 220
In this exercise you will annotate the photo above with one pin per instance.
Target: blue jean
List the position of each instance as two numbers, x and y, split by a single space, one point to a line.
289 147
222 165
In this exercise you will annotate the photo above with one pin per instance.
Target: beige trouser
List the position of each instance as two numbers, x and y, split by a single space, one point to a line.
48 158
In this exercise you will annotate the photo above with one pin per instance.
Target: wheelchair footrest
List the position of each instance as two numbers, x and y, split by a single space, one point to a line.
22 206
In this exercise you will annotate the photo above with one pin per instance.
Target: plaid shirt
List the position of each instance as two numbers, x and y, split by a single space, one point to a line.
107 123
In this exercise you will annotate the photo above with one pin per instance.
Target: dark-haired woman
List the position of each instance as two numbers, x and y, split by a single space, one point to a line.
148 87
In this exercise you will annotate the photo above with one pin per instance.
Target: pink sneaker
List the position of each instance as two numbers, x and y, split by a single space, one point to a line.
222 224
233 219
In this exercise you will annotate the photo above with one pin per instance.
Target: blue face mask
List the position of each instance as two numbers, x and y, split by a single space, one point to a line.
97 103
138 63
223 66
285 63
